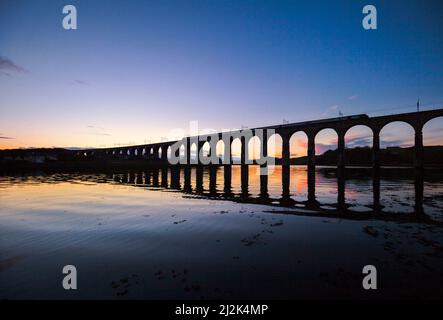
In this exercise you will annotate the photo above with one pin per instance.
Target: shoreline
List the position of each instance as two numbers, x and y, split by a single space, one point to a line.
139 164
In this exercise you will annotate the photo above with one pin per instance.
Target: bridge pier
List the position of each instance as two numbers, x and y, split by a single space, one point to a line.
376 149
341 149
264 186
244 181
227 154
227 172
175 177
285 175
244 167
311 150
164 157
243 154
164 174
227 168
312 202
419 188
200 152
148 178
264 166
286 161
138 178
418 149
155 155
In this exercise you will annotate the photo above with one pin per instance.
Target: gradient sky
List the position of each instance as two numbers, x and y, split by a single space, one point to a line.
135 70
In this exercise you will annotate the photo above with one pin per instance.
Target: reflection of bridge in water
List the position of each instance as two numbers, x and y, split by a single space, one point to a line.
179 179
157 155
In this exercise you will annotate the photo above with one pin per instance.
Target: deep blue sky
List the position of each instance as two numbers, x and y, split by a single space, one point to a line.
134 70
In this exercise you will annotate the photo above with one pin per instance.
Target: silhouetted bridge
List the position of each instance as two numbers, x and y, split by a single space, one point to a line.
158 152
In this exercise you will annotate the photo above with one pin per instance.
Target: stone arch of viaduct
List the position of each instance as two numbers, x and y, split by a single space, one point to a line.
341 125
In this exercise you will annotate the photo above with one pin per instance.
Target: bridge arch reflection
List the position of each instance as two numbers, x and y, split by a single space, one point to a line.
210 183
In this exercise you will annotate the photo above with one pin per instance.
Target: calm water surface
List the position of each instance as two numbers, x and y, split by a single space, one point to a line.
129 237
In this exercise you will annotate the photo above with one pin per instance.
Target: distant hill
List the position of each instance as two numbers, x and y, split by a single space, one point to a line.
362 156
36 155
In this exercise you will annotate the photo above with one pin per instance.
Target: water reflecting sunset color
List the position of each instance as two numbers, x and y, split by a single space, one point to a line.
134 234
